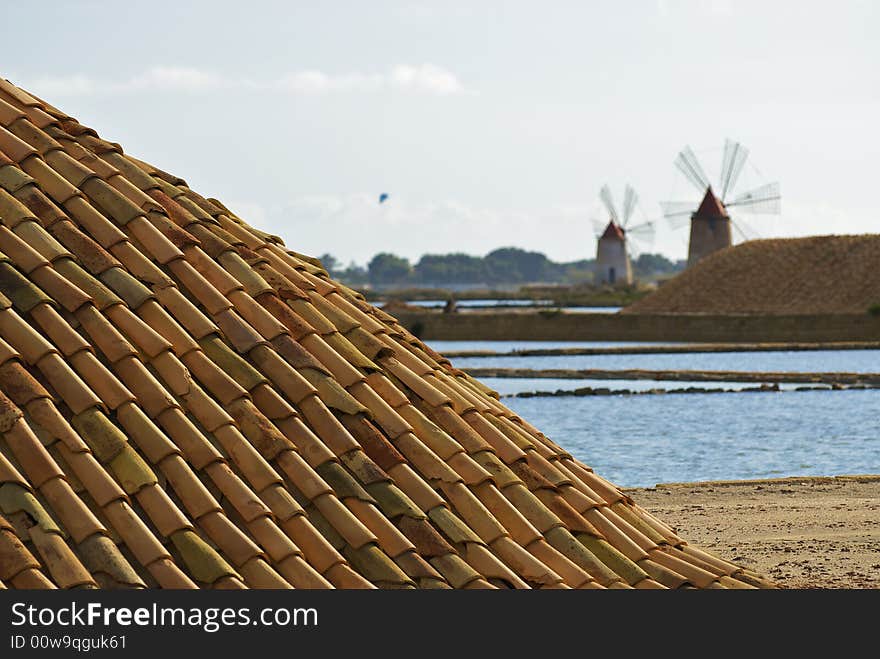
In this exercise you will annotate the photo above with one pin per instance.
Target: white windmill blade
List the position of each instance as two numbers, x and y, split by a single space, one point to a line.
608 200
632 251
764 200
738 230
688 164
678 213
732 162
644 232
747 232
630 199
598 226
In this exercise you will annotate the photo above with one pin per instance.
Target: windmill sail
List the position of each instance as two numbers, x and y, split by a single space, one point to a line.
743 229
638 237
608 200
678 213
707 234
732 162
643 232
764 199
630 199
687 162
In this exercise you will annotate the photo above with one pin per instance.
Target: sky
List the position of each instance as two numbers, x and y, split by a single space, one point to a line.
488 124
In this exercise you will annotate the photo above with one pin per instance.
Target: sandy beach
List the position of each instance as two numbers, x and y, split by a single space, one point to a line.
810 532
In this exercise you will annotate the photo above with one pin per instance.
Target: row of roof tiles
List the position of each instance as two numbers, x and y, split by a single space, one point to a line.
185 402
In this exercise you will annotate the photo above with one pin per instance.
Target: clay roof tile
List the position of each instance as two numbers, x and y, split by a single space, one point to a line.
198 405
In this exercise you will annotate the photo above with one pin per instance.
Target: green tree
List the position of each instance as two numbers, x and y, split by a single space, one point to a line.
439 269
331 263
353 275
655 264
385 268
515 265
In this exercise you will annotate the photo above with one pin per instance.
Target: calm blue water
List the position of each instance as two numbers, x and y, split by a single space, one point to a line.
507 386
591 309
856 361
482 303
639 441
509 346
467 305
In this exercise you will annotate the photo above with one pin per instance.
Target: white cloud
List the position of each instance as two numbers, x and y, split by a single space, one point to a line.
422 78
427 78
173 79
251 212
72 85
318 82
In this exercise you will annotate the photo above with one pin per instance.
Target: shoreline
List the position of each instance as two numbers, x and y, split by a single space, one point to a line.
549 325
670 349
799 531
678 375
781 480
583 392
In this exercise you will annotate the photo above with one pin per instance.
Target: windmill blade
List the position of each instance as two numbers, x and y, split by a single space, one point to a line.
678 221
732 162
673 208
678 213
764 200
747 232
738 230
630 199
633 251
643 232
608 200
598 226
687 162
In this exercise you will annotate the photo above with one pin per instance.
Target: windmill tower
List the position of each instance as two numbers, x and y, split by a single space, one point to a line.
711 224
613 265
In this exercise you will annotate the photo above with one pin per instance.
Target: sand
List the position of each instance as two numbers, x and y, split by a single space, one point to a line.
800 532
787 276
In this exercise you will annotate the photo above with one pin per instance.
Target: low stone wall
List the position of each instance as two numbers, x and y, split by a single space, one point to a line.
561 326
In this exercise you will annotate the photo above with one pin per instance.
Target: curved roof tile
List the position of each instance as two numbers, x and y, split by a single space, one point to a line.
185 402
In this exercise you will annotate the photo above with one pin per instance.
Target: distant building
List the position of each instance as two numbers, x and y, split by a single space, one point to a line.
711 223
710 228
612 258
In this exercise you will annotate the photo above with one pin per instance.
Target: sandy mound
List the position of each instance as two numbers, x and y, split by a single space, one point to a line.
814 275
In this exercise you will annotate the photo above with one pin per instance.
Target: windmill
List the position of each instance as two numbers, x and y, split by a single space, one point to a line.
711 223
613 250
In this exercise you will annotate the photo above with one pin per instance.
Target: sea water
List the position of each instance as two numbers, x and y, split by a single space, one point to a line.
805 361
639 441
510 346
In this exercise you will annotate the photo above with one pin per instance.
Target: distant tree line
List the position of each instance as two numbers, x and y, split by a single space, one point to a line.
501 267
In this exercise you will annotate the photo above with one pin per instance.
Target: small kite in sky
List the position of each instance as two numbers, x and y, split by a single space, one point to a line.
383 197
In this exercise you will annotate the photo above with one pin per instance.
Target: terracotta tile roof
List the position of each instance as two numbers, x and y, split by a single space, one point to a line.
185 402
